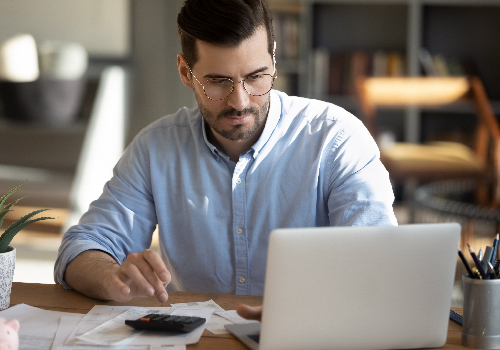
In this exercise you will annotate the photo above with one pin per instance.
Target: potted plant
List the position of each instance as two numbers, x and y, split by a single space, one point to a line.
8 253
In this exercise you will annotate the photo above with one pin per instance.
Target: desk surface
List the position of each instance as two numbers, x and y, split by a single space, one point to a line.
55 297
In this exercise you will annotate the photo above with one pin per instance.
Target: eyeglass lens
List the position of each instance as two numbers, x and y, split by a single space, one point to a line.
256 85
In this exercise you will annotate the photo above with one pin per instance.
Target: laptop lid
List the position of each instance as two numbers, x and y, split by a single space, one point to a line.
359 287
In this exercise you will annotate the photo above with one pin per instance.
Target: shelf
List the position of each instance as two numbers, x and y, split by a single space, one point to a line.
467 33
349 26
455 30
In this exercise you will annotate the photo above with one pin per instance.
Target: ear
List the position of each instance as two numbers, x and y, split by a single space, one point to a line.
274 58
184 70
14 324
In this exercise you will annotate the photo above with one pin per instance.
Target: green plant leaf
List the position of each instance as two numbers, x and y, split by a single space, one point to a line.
7 236
13 229
24 219
4 197
5 210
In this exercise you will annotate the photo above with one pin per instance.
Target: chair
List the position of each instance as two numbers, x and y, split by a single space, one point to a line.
437 160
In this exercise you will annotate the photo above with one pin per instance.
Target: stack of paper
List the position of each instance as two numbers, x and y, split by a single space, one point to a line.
104 327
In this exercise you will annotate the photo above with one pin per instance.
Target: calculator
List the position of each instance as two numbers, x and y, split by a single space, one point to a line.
170 323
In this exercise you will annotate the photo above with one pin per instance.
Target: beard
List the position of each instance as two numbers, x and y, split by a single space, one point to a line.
235 132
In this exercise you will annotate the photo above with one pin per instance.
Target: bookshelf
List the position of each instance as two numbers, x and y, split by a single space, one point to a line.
290 27
449 30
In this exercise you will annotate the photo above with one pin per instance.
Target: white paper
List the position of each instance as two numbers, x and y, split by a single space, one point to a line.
38 326
95 317
66 325
216 323
232 315
115 331
98 315
204 304
101 347
167 347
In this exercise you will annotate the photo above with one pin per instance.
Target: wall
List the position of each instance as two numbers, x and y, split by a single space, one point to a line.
141 34
157 87
102 26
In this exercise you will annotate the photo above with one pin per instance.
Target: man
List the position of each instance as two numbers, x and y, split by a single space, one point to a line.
219 178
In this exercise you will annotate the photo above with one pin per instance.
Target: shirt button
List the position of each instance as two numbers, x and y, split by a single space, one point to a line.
238 181
239 230
242 279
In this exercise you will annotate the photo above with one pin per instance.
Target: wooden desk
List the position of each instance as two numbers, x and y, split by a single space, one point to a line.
55 297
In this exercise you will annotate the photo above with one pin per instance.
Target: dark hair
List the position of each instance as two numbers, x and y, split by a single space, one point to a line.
222 22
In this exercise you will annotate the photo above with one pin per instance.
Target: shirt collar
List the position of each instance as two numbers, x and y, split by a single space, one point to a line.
212 148
273 117
272 120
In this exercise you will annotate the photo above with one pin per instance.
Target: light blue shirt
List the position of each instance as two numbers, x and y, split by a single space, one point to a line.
315 164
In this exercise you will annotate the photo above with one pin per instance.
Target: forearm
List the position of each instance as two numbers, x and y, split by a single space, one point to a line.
89 273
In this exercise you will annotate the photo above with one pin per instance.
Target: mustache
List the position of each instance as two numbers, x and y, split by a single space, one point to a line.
231 112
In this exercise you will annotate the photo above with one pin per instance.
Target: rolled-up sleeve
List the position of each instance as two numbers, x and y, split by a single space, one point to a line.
121 221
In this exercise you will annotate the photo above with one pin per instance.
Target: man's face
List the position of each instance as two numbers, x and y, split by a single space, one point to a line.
239 116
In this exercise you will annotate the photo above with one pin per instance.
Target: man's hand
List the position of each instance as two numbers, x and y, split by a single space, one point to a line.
141 275
249 312
97 275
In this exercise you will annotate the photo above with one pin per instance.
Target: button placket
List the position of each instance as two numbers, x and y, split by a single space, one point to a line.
239 225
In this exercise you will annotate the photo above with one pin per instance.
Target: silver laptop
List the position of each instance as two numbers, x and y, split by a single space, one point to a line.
356 288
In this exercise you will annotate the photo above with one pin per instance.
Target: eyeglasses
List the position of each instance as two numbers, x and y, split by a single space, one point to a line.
217 89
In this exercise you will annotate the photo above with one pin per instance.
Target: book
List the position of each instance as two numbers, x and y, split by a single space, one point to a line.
321 72
379 64
336 68
441 65
395 64
427 62
286 31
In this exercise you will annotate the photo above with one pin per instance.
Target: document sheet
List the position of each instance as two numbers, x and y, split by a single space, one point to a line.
104 327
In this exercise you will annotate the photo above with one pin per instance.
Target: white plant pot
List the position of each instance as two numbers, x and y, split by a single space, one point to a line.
7 264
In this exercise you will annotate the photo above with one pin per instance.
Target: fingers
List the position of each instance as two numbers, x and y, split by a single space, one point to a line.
117 289
156 263
141 275
160 276
249 312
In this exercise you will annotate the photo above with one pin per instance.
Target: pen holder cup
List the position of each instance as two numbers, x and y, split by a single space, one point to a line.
481 318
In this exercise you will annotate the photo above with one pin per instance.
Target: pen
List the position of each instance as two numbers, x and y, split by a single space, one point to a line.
466 264
477 262
486 258
476 273
492 273
495 248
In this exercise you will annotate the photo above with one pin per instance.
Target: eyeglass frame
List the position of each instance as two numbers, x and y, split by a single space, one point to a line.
273 76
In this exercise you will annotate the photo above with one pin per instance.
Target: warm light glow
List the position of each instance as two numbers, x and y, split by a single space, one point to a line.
417 91
19 59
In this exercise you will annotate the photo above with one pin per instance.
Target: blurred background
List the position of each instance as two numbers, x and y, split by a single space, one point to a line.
67 152
64 129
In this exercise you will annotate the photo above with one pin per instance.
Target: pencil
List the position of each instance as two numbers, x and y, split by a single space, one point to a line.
495 247
491 271
466 264
477 262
